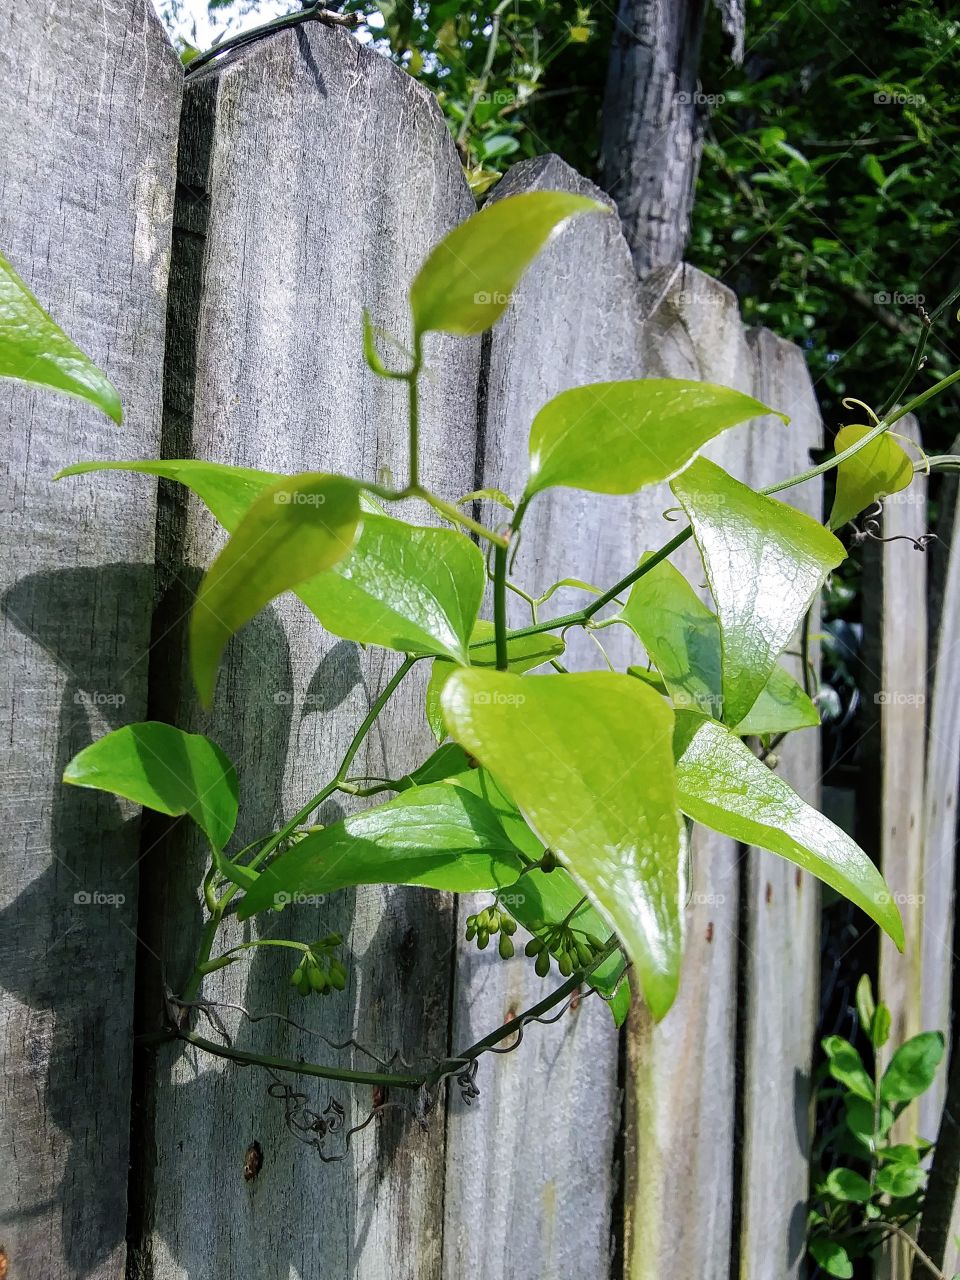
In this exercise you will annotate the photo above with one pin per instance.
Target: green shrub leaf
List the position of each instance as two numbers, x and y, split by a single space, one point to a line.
832 1257
296 528
617 437
880 468
440 836
765 563
587 760
682 637
723 785
847 1184
163 768
846 1065
466 282
33 348
900 1179
912 1068
402 587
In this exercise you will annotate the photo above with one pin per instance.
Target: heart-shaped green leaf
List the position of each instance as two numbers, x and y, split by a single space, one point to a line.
468 278
682 637
163 768
523 654
587 759
765 563
722 784
33 348
616 437
879 469
402 587
229 492
912 1068
439 836
296 528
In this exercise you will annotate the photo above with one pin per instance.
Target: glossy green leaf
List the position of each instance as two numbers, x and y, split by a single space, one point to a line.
879 469
587 759
845 1064
722 784
523 654
33 348
864 1121
848 1185
163 768
468 278
229 492
765 563
540 897
900 1180
682 637
296 528
866 1005
832 1257
880 1028
617 437
912 1068
439 836
402 587
447 761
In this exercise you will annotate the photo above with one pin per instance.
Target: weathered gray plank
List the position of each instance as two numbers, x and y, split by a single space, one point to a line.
314 178
781 931
89 96
682 1087
530 1183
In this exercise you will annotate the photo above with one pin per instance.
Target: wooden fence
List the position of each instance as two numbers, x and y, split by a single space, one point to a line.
220 279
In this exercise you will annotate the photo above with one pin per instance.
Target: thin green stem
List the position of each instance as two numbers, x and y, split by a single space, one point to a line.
413 390
500 605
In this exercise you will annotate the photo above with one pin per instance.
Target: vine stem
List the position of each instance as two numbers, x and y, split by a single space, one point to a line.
213 924
500 605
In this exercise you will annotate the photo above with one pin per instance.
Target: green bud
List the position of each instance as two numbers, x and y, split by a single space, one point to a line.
565 964
533 947
338 976
506 947
471 930
318 979
584 952
483 937
508 925
542 966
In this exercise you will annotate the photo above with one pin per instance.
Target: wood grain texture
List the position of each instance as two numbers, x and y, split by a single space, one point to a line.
781 934
681 1074
89 96
530 1169
314 178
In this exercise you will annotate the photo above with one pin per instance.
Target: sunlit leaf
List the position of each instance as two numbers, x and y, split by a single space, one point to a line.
587 759
846 1065
879 469
765 563
468 278
900 1179
163 768
847 1184
722 784
912 1068
439 836
33 348
403 587
296 528
832 1257
616 437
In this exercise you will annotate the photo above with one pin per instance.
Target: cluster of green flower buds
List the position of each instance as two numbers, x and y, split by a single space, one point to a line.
573 948
484 924
320 970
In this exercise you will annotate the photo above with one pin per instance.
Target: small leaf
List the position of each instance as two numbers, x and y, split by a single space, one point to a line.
404 587
863 1122
468 278
617 437
912 1068
439 836
163 768
879 469
846 1184
587 760
899 1153
866 1007
846 1065
880 1027
523 654
296 528
682 637
765 563
832 1257
723 785
33 348
900 1180
446 762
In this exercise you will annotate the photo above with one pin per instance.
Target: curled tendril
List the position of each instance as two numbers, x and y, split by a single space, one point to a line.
851 402
870 531
313 1128
672 518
